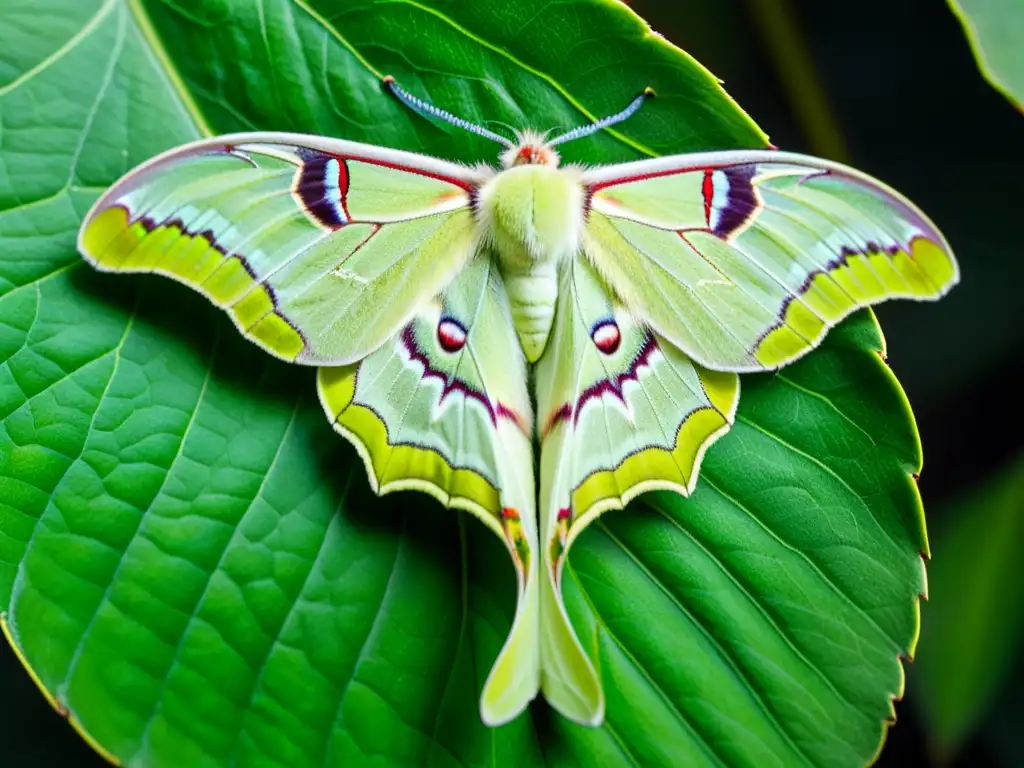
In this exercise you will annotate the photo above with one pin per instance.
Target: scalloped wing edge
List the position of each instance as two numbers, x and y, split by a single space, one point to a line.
724 402
579 695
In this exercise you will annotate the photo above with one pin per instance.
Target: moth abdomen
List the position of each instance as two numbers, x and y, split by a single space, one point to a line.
532 297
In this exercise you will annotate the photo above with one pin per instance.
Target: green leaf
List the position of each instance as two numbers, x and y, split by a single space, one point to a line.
191 561
995 30
975 614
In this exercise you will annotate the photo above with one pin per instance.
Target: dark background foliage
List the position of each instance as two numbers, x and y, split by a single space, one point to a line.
891 87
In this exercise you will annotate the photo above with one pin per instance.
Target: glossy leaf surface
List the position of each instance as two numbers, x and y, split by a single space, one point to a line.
192 563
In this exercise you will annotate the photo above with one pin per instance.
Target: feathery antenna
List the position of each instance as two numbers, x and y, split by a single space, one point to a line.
424 108
418 105
604 122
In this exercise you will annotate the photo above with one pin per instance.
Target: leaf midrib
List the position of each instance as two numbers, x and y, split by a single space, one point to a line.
166 65
699 738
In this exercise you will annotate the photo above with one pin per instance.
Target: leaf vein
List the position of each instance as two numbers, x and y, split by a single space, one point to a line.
727 657
757 603
700 739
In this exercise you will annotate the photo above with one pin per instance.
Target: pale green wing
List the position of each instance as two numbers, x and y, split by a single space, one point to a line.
745 259
318 249
620 411
443 407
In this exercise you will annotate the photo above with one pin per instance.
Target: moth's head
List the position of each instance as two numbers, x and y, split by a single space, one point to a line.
530 149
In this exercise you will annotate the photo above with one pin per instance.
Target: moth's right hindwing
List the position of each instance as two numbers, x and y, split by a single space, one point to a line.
620 411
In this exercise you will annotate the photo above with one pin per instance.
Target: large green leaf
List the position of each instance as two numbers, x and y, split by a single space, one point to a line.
995 30
191 561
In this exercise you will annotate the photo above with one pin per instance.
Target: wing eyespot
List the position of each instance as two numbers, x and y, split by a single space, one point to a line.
321 188
606 336
451 335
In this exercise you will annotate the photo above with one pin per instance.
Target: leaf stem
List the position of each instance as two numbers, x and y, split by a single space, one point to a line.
786 45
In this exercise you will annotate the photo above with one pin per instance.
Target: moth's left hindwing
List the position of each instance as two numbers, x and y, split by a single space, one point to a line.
361 260
620 411
442 407
318 249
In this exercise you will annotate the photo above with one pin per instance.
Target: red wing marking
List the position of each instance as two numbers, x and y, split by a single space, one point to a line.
735 200
340 269
682 235
708 190
451 335
729 195
561 413
451 384
514 530
504 412
466 185
322 183
321 188
571 412
606 336
644 176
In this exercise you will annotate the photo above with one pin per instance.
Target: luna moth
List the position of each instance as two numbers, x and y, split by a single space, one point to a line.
463 318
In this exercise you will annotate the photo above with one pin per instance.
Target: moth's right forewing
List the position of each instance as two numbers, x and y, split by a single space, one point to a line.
745 259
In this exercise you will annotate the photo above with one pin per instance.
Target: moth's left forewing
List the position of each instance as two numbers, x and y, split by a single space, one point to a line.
318 249
620 411
443 408
745 259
